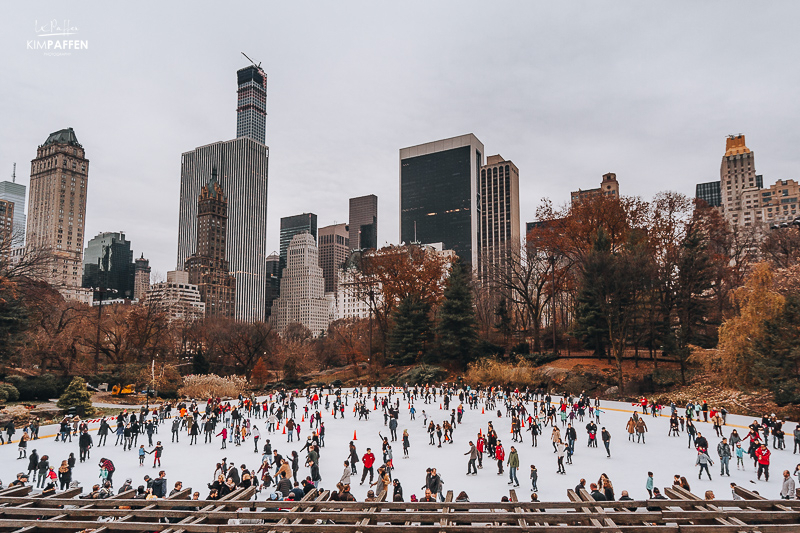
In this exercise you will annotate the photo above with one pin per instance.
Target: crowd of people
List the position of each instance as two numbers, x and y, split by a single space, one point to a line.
531 414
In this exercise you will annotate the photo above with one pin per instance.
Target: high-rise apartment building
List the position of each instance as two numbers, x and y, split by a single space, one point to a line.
57 210
6 226
439 194
141 278
251 109
12 191
108 266
609 186
740 194
291 226
242 166
176 297
498 231
334 247
207 267
302 298
364 222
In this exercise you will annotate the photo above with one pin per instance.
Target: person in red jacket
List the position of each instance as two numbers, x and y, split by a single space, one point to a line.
368 460
762 454
499 454
480 446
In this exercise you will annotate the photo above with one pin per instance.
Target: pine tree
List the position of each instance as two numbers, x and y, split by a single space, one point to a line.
456 333
592 328
408 339
692 296
77 395
778 353
200 364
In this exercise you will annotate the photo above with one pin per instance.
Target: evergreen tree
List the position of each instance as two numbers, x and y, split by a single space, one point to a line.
76 395
456 333
692 296
778 353
408 339
200 364
591 326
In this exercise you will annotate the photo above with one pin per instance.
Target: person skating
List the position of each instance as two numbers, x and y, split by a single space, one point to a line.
513 465
534 478
368 459
499 455
703 460
606 437
763 456
724 453
473 456
561 449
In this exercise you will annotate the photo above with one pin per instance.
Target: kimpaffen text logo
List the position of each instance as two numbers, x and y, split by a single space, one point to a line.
47 38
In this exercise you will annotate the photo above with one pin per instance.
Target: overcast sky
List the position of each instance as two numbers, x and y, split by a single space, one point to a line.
566 90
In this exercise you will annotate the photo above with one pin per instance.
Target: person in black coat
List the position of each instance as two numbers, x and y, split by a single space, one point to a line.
84 443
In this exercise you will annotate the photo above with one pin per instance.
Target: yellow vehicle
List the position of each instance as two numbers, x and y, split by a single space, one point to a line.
116 390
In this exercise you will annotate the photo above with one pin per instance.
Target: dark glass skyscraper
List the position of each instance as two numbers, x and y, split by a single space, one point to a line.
439 194
364 222
108 264
710 193
251 110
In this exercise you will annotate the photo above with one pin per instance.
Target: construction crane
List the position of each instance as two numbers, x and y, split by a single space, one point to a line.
253 62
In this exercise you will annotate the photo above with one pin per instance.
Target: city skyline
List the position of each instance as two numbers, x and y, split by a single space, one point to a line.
567 93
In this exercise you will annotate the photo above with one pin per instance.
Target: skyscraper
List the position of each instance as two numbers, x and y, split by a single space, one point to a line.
291 226
251 109
176 297
302 296
499 214
108 264
141 278
273 281
242 166
334 247
57 210
364 222
207 267
439 194
15 192
6 226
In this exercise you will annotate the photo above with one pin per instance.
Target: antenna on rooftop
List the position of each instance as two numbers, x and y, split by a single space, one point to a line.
250 60
14 174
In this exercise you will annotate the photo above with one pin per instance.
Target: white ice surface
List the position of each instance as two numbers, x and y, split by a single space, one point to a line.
627 468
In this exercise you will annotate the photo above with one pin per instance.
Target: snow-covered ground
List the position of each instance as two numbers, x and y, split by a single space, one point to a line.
627 468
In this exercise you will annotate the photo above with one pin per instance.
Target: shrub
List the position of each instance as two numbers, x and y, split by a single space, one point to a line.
521 349
420 375
77 395
539 359
494 372
213 386
38 388
8 392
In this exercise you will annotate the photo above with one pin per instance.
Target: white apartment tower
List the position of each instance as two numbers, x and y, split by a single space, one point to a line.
302 296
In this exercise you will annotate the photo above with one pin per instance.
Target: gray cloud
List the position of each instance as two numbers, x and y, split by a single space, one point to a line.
568 91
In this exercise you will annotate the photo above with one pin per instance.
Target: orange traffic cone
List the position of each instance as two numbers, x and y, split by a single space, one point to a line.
376 407
284 430
522 422
482 411
354 435
440 406
354 408
303 419
333 412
